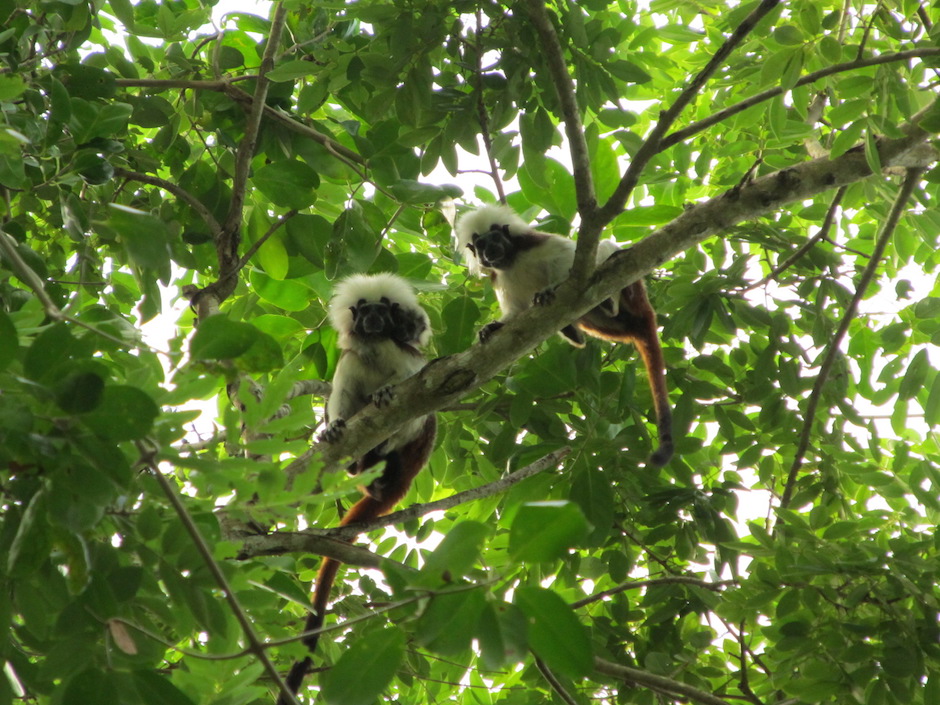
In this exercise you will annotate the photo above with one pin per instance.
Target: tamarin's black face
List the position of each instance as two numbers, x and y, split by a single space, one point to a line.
374 319
495 248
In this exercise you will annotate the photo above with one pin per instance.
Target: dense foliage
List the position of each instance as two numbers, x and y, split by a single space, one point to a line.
207 184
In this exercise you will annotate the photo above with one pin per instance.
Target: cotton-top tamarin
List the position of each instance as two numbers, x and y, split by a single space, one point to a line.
526 265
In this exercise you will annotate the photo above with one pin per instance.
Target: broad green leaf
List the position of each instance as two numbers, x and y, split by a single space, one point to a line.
290 70
290 184
554 632
218 338
125 413
449 622
502 635
89 686
289 294
156 689
9 345
455 555
365 669
545 531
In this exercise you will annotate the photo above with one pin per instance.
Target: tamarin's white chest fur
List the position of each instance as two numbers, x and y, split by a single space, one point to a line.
364 369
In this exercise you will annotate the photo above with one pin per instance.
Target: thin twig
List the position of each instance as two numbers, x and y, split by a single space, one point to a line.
227 243
653 582
551 460
482 115
29 277
214 227
555 684
868 275
806 246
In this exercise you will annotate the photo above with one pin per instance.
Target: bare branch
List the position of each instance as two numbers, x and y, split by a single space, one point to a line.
653 582
182 194
658 684
317 542
414 511
571 114
868 275
255 645
722 115
653 143
806 246
555 684
447 380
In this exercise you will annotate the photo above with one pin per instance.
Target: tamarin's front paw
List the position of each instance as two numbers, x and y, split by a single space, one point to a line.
544 297
382 397
333 432
486 332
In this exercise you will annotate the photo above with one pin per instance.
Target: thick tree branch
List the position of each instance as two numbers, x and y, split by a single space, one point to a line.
653 143
314 542
443 382
659 684
868 275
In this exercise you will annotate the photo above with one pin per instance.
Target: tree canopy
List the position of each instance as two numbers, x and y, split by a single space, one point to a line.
180 191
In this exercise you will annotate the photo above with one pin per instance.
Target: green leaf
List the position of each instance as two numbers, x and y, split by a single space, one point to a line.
788 35
157 690
145 237
31 541
289 184
125 413
364 670
449 622
290 70
411 191
9 344
915 377
545 531
218 338
89 686
555 634
502 635
289 294
455 555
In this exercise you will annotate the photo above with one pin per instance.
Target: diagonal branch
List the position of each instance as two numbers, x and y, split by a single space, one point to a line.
414 511
447 380
868 275
255 645
658 684
823 233
674 138
586 196
653 144
181 193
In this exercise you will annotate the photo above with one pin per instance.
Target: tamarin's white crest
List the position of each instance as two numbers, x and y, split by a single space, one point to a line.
526 265
382 329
